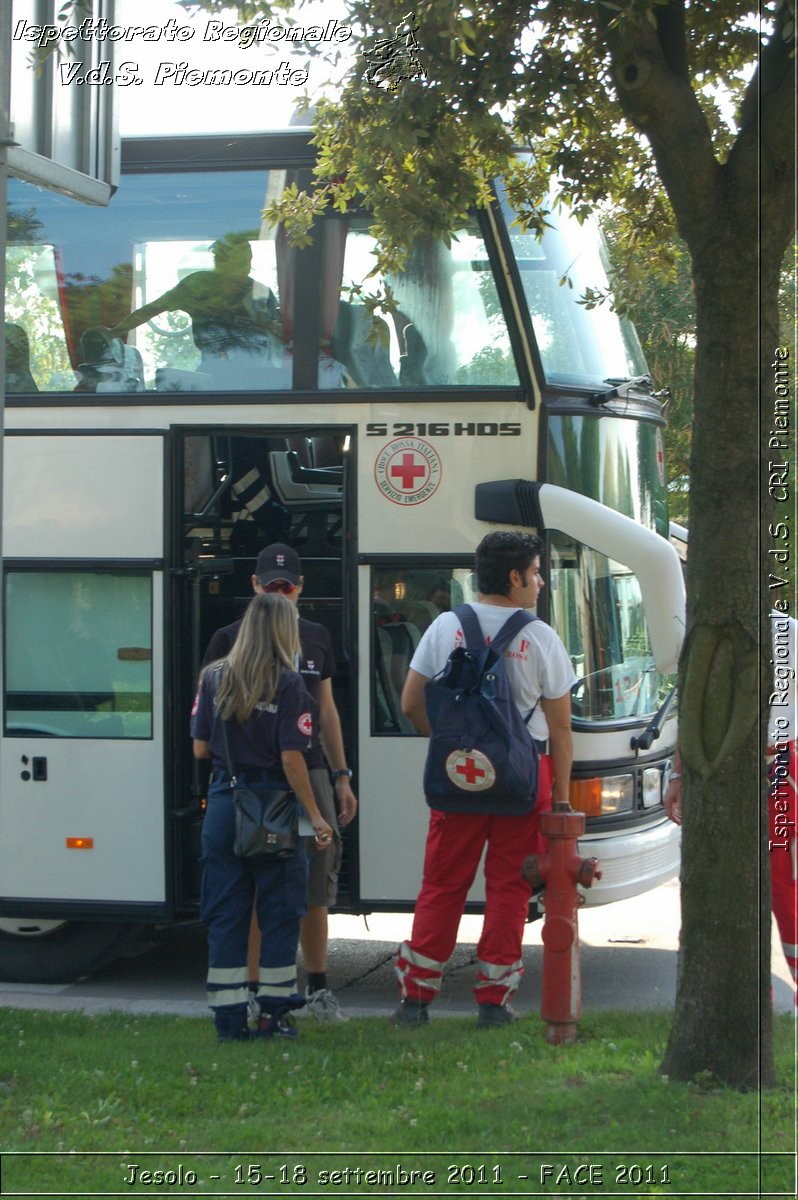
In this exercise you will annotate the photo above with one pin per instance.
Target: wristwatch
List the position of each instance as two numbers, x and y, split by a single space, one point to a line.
342 773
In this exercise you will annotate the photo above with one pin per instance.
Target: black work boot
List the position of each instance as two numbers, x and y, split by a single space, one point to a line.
231 1023
492 1016
411 1012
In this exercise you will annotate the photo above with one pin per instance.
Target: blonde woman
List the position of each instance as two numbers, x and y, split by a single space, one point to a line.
256 690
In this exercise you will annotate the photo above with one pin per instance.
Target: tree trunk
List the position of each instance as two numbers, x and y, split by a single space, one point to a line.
722 1020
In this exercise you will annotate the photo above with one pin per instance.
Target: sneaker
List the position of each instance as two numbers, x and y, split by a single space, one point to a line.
324 1006
491 1016
411 1012
276 1025
253 1012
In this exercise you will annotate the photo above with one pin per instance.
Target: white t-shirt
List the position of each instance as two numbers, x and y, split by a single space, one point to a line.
784 696
536 660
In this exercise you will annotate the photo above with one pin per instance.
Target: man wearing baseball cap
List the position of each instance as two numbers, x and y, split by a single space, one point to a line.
279 569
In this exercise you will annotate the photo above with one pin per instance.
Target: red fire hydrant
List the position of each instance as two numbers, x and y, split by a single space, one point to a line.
561 869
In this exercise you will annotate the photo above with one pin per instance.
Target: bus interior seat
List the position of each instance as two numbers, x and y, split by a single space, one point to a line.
18 374
199 475
312 498
107 364
397 639
389 715
301 487
303 448
422 613
317 449
367 362
176 379
326 450
227 488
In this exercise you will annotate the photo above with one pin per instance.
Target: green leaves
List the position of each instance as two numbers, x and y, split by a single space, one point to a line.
297 210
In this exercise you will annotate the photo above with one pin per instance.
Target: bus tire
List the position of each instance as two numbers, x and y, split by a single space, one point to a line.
33 951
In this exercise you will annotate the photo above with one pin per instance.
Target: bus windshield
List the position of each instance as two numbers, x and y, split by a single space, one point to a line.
577 344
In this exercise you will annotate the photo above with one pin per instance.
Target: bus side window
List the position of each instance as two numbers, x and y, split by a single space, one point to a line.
79 654
406 600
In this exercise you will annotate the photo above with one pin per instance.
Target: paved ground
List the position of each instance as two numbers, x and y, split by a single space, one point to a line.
628 956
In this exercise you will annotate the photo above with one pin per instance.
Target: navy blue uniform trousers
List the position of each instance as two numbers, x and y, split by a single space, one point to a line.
279 889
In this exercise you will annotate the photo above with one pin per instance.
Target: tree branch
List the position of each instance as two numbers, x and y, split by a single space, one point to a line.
656 97
776 127
672 34
764 149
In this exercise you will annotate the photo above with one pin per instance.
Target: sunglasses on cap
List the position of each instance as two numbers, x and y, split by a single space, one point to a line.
279 585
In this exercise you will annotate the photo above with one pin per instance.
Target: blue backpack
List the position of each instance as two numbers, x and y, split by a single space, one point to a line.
482 757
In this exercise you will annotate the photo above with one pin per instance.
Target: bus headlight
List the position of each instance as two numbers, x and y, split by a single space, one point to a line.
603 797
652 787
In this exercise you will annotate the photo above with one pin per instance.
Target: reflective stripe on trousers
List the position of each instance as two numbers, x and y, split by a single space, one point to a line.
507 977
424 973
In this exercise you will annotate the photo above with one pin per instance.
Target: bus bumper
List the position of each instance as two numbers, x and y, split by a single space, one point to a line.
632 861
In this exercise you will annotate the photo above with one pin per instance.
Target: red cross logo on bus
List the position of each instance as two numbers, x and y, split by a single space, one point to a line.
470 770
408 471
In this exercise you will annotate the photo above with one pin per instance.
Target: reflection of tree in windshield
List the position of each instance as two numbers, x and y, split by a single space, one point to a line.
23 227
92 301
492 364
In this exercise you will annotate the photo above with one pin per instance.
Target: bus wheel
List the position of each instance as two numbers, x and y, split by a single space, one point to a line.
36 951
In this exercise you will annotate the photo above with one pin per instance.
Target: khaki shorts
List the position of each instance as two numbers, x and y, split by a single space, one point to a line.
325 865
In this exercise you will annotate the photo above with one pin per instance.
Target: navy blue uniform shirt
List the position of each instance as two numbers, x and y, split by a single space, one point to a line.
315 664
257 745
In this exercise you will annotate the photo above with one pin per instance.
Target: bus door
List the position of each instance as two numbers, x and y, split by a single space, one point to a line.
401 595
243 488
82 825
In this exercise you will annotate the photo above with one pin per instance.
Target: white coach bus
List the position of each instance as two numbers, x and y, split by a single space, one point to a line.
144 469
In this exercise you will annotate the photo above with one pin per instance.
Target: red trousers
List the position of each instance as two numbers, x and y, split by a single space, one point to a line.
783 814
455 842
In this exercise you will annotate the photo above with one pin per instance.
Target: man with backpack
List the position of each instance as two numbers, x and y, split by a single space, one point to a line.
472 789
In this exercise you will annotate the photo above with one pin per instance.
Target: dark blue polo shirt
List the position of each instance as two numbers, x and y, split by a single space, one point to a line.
316 663
257 745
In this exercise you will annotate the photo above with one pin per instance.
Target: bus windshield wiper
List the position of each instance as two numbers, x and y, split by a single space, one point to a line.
619 388
654 727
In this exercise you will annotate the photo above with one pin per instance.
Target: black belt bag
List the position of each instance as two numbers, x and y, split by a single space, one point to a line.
267 823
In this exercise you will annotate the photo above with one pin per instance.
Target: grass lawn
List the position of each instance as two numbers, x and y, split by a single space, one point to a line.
91 1104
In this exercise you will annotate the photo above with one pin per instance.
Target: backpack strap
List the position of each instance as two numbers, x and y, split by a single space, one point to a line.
472 630
509 629
513 625
475 640
474 637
